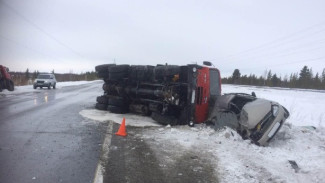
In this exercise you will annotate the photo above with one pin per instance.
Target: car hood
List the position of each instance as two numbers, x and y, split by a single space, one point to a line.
253 112
42 80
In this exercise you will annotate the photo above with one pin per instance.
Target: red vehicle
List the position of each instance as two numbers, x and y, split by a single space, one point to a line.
5 79
170 94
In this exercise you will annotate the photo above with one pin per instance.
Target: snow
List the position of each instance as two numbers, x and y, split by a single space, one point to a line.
306 107
130 119
235 159
238 160
29 88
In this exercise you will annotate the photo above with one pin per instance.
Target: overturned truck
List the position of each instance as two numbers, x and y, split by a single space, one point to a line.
171 94
189 94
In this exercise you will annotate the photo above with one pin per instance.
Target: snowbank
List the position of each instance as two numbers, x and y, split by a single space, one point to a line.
131 119
29 88
237 160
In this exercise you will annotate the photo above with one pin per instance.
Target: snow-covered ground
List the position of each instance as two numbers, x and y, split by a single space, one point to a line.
29 88
306 107
235 159
238 160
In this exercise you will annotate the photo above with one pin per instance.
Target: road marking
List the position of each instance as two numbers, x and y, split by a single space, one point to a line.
105 150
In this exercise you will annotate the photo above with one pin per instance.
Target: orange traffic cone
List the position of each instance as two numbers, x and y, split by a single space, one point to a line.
122 131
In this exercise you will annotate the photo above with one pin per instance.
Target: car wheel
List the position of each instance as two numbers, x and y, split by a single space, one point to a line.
41 87
102 107
116 109
163 119
102 99
34 87
49 87
54 85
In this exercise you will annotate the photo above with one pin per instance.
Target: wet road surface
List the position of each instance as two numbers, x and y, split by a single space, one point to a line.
44 139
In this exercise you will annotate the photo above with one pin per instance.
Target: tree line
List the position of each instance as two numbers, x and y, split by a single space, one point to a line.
303 79
27 77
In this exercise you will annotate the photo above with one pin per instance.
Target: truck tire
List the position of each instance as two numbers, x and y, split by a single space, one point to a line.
119 102
163 119
11 86
118 72
102 99
117 76
102 107
141 73
166 70
103 75
103 68
119 68
116 109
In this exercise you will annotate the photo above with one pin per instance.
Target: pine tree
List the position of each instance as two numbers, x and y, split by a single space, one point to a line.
27 73
235 76
304 77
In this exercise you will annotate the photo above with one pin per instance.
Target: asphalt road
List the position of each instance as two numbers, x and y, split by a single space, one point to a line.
44 139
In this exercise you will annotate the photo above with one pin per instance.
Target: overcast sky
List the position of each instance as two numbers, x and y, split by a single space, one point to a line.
76 35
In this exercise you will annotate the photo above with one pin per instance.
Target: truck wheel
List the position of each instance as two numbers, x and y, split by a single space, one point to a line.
102 107
11 86
103 68
103 75
119 102
163 119
141 73
117 110
102 100
119 68
118 72
166 70
117 76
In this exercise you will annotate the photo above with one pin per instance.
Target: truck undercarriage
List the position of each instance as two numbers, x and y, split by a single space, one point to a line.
169 93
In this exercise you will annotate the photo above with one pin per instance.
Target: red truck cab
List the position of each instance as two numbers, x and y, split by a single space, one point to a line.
208 88
5 79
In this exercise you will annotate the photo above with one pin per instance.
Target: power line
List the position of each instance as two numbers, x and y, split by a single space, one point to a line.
24 46
39 28
278 41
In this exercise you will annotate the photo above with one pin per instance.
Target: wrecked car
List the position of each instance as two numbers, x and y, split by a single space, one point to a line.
254 118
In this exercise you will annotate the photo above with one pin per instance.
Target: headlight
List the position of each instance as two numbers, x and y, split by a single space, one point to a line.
275 110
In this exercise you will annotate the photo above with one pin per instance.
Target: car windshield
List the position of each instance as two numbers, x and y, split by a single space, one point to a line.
43 76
